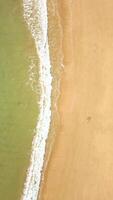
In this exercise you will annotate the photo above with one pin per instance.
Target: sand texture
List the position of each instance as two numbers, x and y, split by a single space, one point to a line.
81 164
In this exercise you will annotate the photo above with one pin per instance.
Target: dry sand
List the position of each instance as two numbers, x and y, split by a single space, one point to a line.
81 164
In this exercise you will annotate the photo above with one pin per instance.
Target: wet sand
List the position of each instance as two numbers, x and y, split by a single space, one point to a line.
81 163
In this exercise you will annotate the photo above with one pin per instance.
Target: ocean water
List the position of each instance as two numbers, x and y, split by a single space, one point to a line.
19 94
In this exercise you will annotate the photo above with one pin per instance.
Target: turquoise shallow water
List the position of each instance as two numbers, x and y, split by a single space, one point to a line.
18 103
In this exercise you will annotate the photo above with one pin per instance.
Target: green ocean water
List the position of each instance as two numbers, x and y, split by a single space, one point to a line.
18 102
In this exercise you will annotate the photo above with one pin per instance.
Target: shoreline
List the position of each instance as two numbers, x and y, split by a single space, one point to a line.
80 165
56 57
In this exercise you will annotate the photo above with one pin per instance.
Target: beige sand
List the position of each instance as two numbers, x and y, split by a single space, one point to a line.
81 165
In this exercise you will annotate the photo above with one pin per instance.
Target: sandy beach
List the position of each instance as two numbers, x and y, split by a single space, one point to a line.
81 163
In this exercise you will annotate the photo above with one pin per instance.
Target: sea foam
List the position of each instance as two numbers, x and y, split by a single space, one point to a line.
35 14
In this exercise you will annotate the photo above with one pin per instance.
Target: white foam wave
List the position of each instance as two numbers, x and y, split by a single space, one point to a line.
35 14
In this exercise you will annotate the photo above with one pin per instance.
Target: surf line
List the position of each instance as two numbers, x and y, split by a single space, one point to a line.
35 15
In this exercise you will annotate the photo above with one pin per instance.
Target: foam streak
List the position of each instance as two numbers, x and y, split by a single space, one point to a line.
35 14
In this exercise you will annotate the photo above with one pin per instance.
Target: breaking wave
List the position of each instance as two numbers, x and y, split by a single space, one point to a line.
35 14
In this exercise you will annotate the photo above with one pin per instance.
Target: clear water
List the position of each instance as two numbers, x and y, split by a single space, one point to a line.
18 102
